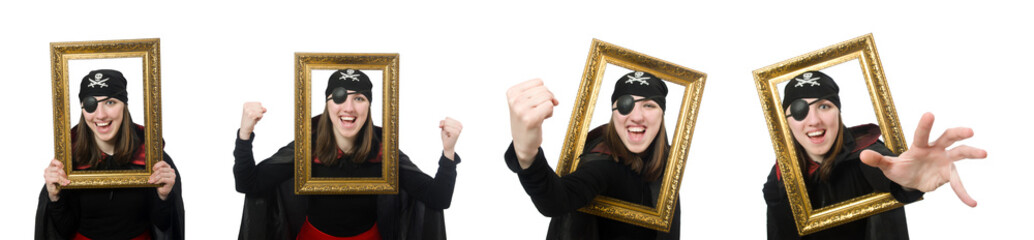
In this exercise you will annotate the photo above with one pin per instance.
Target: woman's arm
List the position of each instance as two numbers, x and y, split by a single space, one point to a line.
265 176
64 213
554 195
161 207
434 192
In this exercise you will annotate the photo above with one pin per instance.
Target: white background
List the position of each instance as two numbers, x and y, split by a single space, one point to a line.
968 63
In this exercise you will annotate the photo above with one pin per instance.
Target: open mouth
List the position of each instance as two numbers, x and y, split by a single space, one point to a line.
348 122
636 133
817 136
103 127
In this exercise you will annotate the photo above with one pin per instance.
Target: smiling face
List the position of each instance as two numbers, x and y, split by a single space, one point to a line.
349 116
106 119
639 128
817 132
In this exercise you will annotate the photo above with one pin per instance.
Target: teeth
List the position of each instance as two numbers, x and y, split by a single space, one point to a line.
103 124
348 119
816 133
636 129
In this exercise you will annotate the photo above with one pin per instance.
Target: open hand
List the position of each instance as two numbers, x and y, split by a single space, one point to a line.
926 166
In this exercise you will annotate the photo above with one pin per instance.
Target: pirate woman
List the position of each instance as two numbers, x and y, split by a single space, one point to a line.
346 144
624 159
833 156
107 139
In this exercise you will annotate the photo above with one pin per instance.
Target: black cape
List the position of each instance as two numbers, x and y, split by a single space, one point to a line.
45 228
278 215
850 178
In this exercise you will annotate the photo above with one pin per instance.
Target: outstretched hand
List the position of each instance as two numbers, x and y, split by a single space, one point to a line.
531 103
926 166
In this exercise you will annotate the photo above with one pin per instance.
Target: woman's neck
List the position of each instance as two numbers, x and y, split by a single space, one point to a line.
344 144
816 158
106 147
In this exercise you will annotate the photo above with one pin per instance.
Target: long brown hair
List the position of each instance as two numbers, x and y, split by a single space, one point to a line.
84 147
651 170
826 167
326 144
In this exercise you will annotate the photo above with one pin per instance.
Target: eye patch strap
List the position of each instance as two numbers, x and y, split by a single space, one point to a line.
341 93
799 108
626 103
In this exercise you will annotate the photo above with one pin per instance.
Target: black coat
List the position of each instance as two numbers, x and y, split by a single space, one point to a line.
279 214
45 229
597 174
850 178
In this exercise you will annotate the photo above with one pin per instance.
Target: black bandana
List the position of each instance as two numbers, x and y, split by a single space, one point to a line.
102 82
348 79
641 84
811 84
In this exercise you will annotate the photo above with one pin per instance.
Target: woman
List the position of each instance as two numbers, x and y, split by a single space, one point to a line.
345 144
107 139
833 156
624 159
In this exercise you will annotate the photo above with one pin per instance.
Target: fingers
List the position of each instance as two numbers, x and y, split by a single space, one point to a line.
873 158
516 90
966 152
953 135
531 103
922 136
55 173
450 127
162 173
956 185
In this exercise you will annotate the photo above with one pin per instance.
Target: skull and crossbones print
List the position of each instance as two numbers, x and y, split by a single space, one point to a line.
350 74
807 79
637 77
97 81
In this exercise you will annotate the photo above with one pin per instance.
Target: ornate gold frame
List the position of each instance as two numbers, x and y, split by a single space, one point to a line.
304 183
862 48
602 53
148 50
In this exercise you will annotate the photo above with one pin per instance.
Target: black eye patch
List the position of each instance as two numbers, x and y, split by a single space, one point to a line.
799 108
626 103
90 104
341 94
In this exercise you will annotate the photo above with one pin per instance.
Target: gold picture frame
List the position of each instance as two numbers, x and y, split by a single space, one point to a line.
146 49
863 49
601 54
388 63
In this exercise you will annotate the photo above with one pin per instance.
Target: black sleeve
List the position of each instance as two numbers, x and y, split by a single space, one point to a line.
250 178
64 213
881 183
554 195
161 210
434 192
781 224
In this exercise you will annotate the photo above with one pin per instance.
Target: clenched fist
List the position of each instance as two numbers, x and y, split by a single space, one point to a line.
531 103
450 133
249 117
